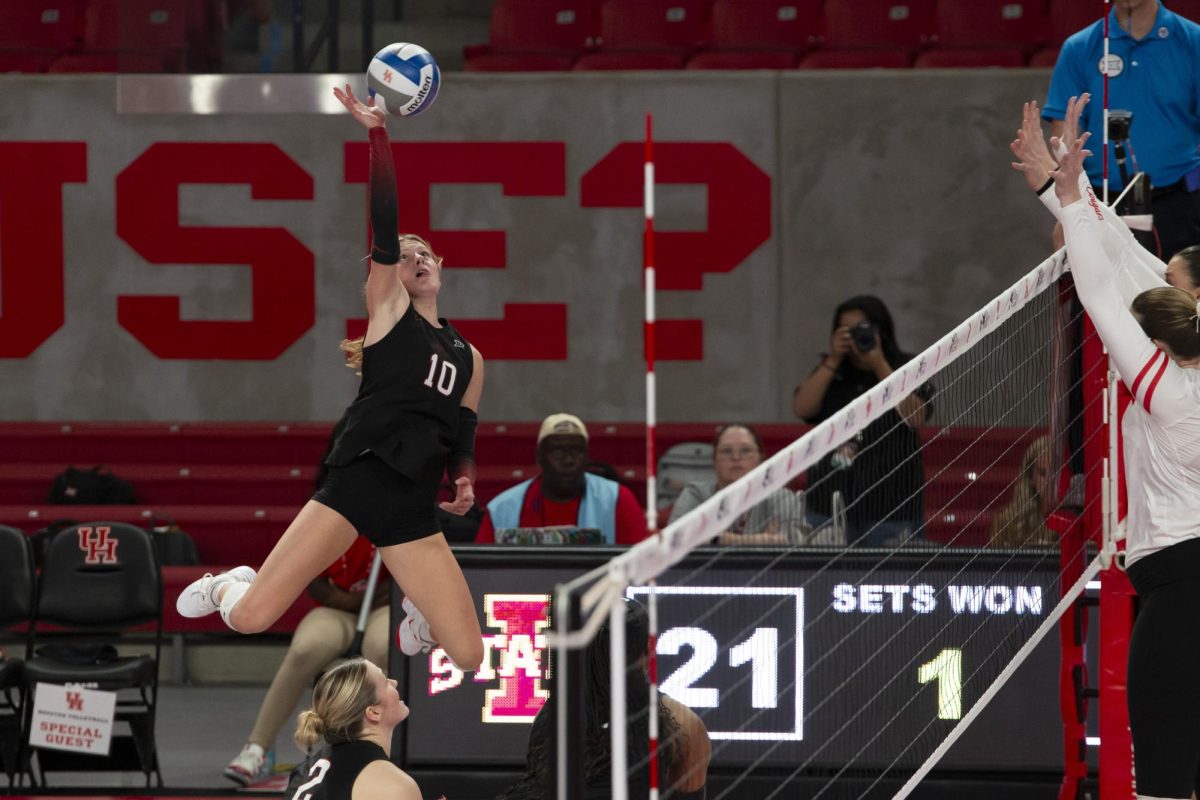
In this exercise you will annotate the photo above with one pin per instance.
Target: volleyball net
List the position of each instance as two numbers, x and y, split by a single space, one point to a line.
938 541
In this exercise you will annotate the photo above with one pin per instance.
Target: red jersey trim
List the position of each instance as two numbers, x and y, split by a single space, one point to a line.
1149 363
1154 384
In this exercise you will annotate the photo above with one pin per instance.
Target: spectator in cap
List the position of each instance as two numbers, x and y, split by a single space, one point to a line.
565 493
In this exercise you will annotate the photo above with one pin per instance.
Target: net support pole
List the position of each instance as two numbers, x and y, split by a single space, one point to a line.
652 674
569 707
617 723
1104 118
1034 640
648 272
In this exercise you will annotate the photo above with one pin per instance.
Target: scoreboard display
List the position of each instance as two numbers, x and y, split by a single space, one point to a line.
869 660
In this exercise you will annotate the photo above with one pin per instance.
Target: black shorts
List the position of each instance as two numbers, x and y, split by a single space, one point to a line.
1164 660
382 504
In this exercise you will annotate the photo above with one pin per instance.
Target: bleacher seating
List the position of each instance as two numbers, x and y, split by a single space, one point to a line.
130 36
873 33
234 487
536 35
557 35
35 32
1064 17
647 34
760 34
111 35
986 33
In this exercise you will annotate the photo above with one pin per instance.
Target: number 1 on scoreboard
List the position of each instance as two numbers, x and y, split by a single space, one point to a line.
946 669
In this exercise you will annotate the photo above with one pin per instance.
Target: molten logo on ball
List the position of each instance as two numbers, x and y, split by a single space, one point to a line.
403 78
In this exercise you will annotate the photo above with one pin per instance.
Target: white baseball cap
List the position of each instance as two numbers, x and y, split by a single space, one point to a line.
562 425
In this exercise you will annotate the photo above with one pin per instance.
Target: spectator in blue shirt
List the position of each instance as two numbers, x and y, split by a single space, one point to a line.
1154 71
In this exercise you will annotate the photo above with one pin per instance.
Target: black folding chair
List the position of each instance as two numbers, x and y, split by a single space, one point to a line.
17 584
99 581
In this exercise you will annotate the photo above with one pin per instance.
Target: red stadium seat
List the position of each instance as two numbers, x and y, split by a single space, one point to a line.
863 34
544 26
1065 18
766 24
131 36
743 59
35 32
647 34
969 58
39 25
536 35
986 33
894 24
1046 57
107 62
991 23
858 59
760 34
1189 9
24 62
630 61
518 62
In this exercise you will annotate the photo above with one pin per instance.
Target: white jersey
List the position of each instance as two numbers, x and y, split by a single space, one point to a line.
1162 426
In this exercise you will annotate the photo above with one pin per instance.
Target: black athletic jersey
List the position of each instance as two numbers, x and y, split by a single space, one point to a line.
330 774
406 411
886 479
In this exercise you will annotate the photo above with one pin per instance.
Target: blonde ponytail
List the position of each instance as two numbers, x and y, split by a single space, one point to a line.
339 701
310 729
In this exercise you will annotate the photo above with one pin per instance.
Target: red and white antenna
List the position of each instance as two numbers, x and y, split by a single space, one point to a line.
651 463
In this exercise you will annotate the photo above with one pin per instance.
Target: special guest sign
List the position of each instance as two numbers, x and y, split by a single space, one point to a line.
72 718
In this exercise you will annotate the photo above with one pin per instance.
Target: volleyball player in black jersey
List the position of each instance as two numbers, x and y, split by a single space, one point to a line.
413 420
355 708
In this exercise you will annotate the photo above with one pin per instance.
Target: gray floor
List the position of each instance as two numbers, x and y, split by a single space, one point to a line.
199 730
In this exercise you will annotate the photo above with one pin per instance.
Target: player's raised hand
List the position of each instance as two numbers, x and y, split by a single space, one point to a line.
1034 161
1066 177
1075 107
367 114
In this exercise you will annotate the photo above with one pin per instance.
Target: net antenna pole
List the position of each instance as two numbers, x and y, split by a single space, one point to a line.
651 460
569 707
648 273
617 722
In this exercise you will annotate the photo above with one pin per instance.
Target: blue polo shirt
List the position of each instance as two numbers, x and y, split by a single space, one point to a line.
1155 78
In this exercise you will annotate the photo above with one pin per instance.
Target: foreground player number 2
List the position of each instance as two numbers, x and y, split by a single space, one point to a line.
946 669
760 650
445 382
320 767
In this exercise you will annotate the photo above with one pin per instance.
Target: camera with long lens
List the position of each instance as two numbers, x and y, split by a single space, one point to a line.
863 335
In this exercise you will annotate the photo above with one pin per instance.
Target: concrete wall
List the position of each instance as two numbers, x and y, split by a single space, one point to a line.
894 183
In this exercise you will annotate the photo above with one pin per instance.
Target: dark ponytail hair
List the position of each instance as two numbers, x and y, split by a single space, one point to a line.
1191 259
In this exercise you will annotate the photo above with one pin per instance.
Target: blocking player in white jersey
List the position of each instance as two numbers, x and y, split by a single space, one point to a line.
1154 340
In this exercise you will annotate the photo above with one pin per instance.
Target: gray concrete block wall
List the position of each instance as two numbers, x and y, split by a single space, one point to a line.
895 183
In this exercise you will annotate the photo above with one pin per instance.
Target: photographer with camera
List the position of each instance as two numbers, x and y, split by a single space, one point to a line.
1154 101
879 473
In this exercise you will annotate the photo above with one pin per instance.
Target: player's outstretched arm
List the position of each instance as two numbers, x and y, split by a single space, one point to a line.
385 294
